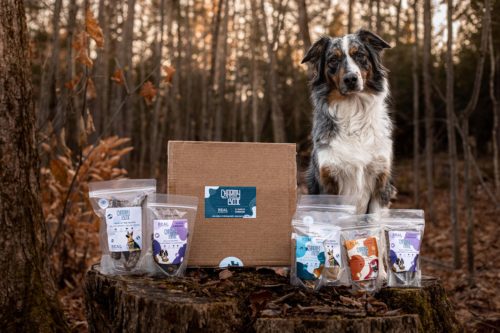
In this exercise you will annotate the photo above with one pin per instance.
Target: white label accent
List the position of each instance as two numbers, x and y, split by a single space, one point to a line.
230 261
124 227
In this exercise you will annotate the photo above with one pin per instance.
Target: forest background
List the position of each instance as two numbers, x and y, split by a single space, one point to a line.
113 81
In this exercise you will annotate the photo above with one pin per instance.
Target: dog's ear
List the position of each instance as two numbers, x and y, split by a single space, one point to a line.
316 50
373 40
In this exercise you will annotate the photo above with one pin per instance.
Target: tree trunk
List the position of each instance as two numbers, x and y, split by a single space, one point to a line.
255 72
398 20
207 132
27 294
220 91
495 111
276 111
350 15
257 302
48 99
304 24
416 110
429 109
471 106
379 19
155 124
70 113
452 145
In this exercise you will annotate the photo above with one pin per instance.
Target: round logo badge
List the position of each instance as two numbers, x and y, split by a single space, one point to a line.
103 203
308 220
231 261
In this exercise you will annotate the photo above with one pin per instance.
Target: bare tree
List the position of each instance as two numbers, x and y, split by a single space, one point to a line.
47 104
416 110
254 40
350 15
429 108
452 145
27 294
304 23
469 109
220 90
494 102
276 111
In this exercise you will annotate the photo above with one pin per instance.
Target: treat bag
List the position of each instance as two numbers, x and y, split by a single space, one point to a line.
363 249
120 206
316 256
403 230
169 230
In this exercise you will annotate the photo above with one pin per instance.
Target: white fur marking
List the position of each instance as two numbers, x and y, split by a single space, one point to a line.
362 148
351 64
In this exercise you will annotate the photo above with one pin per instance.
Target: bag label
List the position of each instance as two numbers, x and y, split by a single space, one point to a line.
363 258
309 256
404 248
170 241
332 252
124 228
230 202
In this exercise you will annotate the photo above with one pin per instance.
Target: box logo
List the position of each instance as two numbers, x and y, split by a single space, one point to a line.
230 202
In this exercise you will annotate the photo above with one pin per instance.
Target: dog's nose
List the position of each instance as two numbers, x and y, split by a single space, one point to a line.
350 79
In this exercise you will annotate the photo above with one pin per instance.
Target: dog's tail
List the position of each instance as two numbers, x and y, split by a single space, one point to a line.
312 177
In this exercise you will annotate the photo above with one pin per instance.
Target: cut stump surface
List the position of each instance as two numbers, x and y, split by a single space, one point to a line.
250 300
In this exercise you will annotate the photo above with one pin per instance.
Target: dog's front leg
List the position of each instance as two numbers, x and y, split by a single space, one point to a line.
383 192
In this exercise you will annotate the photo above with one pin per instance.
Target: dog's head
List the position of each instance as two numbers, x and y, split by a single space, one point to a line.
349 64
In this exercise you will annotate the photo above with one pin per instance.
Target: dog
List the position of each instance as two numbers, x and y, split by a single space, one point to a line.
131 243
352 131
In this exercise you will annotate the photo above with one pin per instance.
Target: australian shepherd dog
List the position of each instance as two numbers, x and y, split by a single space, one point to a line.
352 130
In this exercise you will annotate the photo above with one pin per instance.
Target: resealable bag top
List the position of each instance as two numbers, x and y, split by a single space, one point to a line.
169 231
119 204
363 245
404 230
316 248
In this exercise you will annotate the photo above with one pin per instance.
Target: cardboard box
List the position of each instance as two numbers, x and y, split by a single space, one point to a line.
251 191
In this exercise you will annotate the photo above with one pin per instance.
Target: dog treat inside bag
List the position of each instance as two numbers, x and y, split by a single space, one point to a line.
316 253
404 230
119 204
361 237
169 228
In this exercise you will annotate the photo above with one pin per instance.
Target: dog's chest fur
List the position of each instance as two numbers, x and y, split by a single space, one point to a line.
361 148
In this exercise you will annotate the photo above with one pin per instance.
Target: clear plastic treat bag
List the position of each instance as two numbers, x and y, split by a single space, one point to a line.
404 230
119 204
169 230
316 253
362 240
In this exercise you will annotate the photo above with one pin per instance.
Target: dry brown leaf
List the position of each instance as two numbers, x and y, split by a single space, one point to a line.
84 59
118 77
71 85
169 74
89 124
225 274
93 29
91 91
80 41
148 91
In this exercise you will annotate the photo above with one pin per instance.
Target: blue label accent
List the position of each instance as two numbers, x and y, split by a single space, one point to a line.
230 201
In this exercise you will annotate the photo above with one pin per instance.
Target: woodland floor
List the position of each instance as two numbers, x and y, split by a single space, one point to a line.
478 306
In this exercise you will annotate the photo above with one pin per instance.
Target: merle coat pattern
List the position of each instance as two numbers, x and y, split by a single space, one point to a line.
352 132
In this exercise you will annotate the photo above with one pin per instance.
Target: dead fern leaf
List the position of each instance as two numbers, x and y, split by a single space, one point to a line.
148 91
93 29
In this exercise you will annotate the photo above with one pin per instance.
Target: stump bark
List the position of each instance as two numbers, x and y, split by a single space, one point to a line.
249 300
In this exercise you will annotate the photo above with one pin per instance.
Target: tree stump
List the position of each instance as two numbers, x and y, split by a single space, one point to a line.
250 300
